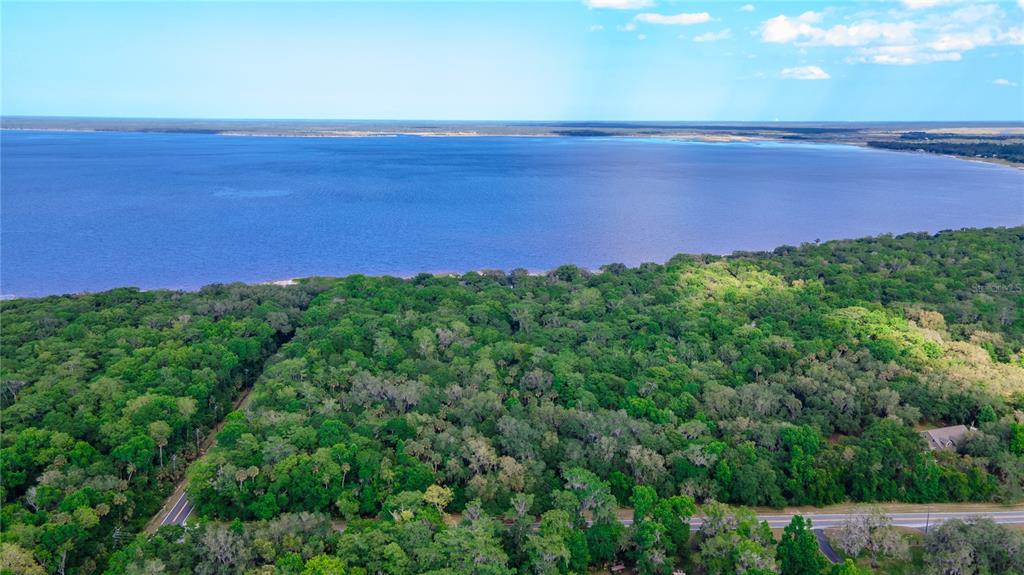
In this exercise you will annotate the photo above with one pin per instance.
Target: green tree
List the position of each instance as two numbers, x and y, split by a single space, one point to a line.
324 565
674 515
644 499
438 496
797 551
136 453
848 567
160 432
474 549
1017 438
549 550
15 560
652 557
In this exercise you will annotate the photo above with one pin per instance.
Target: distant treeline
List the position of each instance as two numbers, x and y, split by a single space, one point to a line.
951 135
1009 152
584 133
685 126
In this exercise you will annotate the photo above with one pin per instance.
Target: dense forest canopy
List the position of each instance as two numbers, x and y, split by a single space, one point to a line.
800 376
1008 151
106 397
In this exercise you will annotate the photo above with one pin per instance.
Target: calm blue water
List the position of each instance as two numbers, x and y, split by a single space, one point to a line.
88 211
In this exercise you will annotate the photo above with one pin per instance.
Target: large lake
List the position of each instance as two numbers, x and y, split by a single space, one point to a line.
90 211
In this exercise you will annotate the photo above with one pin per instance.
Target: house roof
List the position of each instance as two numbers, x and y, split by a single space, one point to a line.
944 437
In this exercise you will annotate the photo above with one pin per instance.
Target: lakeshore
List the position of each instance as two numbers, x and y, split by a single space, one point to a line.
1000 143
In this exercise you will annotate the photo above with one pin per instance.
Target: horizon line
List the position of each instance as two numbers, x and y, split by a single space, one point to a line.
499 120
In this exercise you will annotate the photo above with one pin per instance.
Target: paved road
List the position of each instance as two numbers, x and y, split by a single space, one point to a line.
826 546
182 509
911 520
174 515
822 521
179 513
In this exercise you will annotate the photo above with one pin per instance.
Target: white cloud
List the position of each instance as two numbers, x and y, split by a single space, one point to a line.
975 13
959 42
895 37
713 36
978 30
805 73
1013 36
627 27
750 7
810 17
783 30
866 32
1021 4
919 4
641 37
619 4
918 58
682 19
902 55
596 28
1004 82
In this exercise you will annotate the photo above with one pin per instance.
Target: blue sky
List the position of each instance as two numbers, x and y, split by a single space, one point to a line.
599 59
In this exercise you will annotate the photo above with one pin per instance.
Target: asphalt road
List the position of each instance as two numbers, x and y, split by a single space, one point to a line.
912 520
179 513
182 510
826 546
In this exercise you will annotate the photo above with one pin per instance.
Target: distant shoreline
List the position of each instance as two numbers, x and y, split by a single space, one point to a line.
709 138
1000 138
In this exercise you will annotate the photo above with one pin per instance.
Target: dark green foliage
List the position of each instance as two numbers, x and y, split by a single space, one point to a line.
761 379
794 377
105 397
797 551
1013 152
